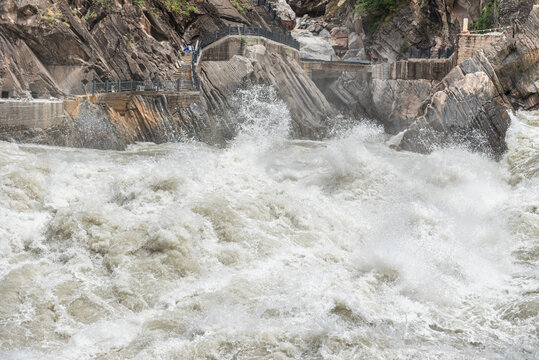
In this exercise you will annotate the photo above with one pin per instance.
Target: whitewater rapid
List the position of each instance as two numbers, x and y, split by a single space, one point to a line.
271 248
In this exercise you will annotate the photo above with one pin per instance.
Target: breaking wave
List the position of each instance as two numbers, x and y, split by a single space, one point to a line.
270 248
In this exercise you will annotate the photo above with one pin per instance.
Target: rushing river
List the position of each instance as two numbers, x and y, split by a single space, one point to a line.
271 248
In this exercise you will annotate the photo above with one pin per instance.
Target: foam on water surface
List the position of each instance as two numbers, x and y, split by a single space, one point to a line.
270 248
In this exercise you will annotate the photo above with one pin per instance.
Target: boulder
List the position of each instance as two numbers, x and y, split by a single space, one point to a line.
284 13
314 47
311 7
324 34
339 39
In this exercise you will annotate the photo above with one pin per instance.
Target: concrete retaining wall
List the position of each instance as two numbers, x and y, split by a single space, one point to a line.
467 44
34 114
120 100
414 69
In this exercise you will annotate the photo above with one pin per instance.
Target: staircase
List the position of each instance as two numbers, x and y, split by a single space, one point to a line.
184 72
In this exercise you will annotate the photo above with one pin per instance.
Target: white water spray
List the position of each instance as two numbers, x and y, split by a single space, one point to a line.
270 248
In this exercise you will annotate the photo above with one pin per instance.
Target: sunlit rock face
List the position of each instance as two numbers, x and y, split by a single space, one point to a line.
478 93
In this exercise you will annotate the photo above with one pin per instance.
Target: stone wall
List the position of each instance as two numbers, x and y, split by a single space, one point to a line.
414 69
34 114
467 44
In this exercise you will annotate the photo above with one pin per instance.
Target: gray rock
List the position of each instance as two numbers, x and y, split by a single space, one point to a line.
315 47
262 64
473 105
324 34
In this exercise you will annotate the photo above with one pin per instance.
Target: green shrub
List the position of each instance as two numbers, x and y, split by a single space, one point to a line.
375 12
180 7
107 3
139 3
486 20
238 5
244 40
404 47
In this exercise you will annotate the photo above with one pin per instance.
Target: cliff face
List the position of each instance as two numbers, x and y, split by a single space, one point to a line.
388 33
56 47
477 94
95 123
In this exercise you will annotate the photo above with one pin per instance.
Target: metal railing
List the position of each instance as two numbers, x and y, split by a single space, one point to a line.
286 39
283 36
485 31
148 85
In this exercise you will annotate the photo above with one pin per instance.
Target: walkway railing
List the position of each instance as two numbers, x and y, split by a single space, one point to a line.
186 84
148 85
484 31
286 39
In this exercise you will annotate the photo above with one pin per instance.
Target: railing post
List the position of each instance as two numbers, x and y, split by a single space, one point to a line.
106 86
215 35
93 87
258 31
131 85
119 85
158 84
228 29
178 84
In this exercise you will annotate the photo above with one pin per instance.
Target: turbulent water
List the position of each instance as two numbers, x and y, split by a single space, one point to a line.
271 248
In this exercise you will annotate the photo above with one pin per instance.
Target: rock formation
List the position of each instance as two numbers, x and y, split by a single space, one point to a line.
101 126
477 94
265 62
53 48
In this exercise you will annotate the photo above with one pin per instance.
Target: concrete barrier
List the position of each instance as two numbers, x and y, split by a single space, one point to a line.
467 44
414 69
31 114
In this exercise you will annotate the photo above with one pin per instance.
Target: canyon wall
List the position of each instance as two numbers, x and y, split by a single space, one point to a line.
236 62
473 101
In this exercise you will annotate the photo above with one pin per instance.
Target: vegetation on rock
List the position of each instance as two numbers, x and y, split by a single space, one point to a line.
375 12
182 7
239 5
486 20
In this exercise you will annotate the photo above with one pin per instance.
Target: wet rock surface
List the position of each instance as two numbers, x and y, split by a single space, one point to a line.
479 92
263 64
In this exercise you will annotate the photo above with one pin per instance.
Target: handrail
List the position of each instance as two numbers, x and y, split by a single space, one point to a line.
484 31
345 61
244 30
286 39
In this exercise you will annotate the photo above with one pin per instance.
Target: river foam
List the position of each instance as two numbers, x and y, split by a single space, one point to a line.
270 248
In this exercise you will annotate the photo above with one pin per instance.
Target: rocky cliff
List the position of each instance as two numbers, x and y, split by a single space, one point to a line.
476 95
95 123
57 47
252 60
